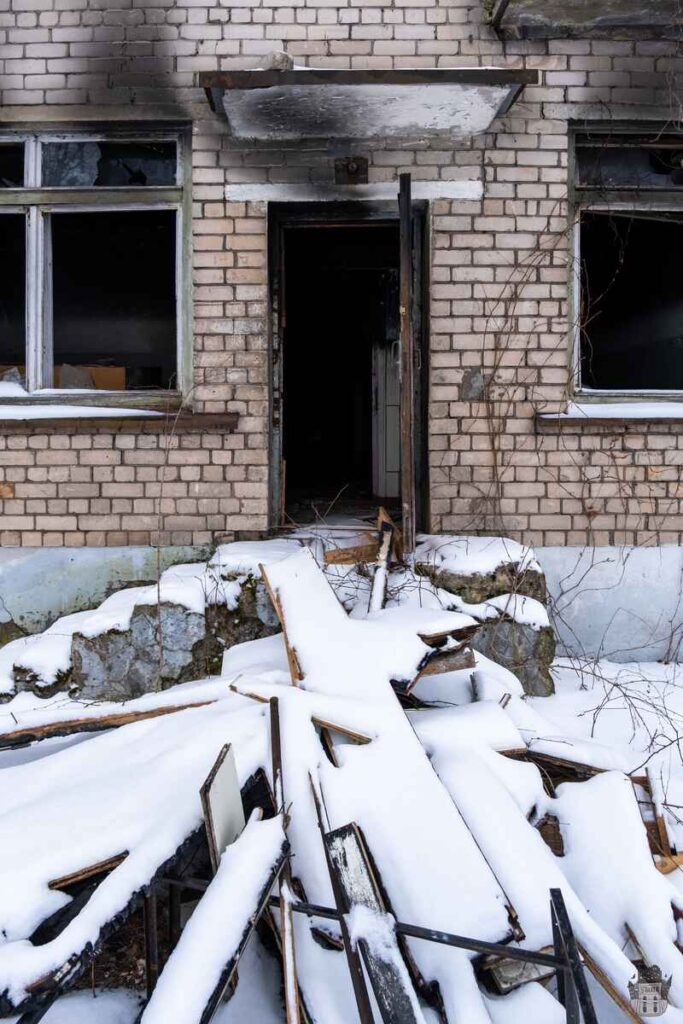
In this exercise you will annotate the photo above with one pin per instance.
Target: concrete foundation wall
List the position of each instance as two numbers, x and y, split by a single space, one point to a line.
37 587
498 289
624 604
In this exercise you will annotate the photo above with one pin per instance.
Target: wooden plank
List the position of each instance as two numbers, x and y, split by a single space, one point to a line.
103 867
350 734
294 667
26 735
230 970
352 555
288 949
397 539
439 639
360 989
670 863
222 805
666 847
447 661
394 994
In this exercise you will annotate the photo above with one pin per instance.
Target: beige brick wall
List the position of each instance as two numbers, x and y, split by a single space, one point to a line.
498 278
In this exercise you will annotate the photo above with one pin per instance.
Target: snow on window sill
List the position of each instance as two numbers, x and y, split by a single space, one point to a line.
612 412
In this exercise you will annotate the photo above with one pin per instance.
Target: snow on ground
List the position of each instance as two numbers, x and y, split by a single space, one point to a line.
449 818
473 554
196 585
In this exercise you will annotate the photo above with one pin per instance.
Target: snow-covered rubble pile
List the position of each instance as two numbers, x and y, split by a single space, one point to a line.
148 638
446 794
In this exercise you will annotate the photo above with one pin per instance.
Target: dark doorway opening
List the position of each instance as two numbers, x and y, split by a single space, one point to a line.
340 390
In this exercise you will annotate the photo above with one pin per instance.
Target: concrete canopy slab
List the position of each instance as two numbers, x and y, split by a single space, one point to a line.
346 104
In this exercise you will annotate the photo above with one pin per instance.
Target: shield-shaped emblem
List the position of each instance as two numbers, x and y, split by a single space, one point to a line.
649 991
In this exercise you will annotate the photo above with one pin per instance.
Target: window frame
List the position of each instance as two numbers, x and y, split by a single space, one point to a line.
38 203
591 199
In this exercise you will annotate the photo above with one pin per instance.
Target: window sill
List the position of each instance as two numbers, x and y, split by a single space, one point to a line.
21 417
611 414
142 401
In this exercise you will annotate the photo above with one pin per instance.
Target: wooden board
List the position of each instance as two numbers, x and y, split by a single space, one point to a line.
26 735
222 805
395 997
292 660
446 661
353 555
103 867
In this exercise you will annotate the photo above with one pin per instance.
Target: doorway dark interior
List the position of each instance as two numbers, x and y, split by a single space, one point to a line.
340 376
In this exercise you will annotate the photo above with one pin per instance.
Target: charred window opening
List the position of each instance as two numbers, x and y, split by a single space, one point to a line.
11 165
12 298
108 164
113 323
91 297
630 223
632 302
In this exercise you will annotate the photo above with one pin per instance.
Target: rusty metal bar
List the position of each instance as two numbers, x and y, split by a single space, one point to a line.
151 941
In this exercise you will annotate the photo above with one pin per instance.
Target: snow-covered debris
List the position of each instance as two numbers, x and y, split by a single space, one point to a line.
215 933
246 556
448 799
473 554
135 789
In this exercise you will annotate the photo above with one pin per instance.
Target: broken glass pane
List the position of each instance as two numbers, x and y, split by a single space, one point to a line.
632 308
108 164
612 166
11 165
12 297
114 306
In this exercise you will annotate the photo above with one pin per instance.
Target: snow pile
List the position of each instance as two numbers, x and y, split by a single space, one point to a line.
447 796
47 655
468 555
212 937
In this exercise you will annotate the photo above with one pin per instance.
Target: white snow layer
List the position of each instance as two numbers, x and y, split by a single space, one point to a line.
448 819
213 934
472 554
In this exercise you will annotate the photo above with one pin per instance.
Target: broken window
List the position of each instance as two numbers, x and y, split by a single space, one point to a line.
89 296
11 165
630 310
12 300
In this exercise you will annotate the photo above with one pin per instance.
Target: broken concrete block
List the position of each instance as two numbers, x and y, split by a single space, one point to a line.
475 587
156 651
526 651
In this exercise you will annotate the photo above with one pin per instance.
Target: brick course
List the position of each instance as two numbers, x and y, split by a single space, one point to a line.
499 272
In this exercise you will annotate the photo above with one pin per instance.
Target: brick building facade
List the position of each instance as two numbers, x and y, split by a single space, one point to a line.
500 324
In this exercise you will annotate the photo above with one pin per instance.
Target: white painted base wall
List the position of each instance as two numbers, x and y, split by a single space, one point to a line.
39 585
625 604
